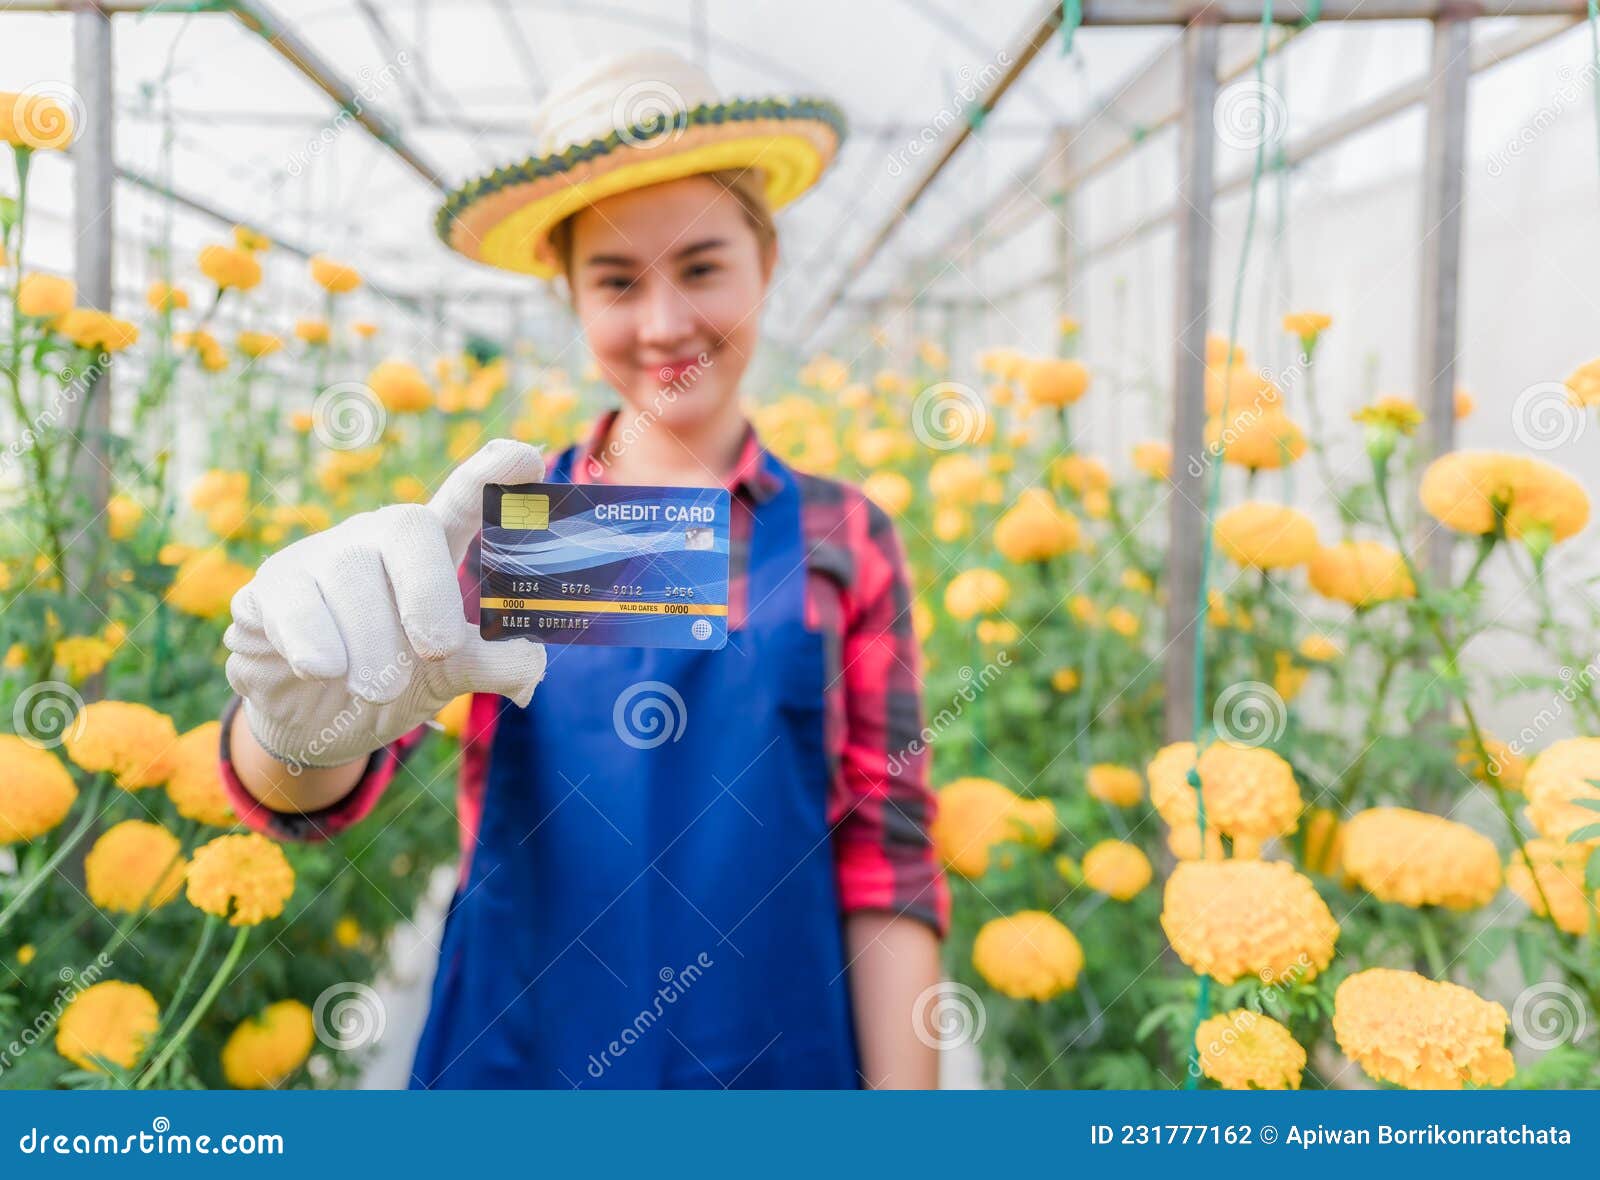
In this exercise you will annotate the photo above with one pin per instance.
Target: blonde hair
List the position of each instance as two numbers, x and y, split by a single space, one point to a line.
749 188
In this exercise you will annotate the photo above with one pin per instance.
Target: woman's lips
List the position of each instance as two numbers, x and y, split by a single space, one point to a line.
675 371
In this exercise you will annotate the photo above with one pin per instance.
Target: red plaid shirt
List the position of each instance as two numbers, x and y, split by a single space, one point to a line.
858 595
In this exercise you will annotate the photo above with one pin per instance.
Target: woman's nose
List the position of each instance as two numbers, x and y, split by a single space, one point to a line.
668 316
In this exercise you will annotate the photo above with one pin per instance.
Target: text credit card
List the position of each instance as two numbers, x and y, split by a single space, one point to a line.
603 563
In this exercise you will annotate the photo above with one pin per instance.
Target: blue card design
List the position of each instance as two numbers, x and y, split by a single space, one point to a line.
607 564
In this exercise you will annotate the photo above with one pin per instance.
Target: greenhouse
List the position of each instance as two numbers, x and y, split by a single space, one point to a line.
695 544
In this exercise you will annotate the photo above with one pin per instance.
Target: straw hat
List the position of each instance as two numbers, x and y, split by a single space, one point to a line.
634 120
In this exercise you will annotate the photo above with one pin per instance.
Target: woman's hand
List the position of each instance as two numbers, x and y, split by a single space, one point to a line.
350 637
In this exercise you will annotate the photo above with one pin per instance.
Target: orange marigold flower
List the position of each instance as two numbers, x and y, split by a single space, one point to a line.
1257 439
36 791
266 1048
244 878
1307 324
1559 776
1116 868
1560 869
1153 458
1119 786
1027 956
975 814
195 787
1245 1050
1055 383
1424 1035
1035 529
1266 536
1471 491
229 267
108 1022
1231 919
1416 859
44 296
1242 388
131 742
400 387
1249 791
976 592
1360 573
133 864
334 277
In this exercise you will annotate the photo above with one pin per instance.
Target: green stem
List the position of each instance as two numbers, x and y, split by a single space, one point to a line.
208 931
91 812
199 1009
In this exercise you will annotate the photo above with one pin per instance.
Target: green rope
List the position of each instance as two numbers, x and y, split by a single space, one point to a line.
1213 500
1071 20
1594 52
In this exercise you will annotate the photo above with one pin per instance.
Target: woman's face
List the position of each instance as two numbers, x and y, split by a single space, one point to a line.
668 282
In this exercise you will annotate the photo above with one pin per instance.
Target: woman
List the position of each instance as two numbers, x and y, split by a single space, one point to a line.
754 903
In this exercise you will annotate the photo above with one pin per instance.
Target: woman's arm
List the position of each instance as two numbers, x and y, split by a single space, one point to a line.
272 784
893 962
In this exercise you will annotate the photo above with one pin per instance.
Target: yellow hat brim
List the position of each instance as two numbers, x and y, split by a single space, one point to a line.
505 218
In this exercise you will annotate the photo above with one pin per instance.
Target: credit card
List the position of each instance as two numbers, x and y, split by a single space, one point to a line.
606 564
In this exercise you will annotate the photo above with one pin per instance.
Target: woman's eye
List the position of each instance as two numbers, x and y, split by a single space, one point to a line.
616 283
701 269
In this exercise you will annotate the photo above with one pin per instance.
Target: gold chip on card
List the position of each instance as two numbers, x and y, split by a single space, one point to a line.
524 510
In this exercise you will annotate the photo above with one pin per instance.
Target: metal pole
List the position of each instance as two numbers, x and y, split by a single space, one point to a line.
93 222
1439 294
1186 513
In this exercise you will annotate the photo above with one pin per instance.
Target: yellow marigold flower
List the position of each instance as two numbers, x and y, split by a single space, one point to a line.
1266 536
174 552
123 514
1027 956
90 328
1249 791
195 787
266 1048
347 932
1288 677
1464 403
246 875
205 584
1505 769
82 656
165 297
1256 439
133 864
1232 919
216 486
958 478
1391 412
409 489
1307 325
36 791
1035 529
889 490
44 296
975 814
874 448
1116 868
453 717
1416 859
334 277
25 954
35 121
950 523
1184 842
922 620
1220 352
1051 382
365 329
301 421
107 1022
1067 325
251 239
1153 458
1558 777
131 742
1245 1050
1319 649
400 387
1324 840
1560 868
1243 388
1469 490
1360 573
1119 786
16 656
998 632
1421 1034
230 268
1064 680
976 592
1123 621
256 345
1082 473
1138 581
1583 386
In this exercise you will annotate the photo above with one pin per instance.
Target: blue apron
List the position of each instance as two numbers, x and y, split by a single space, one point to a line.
651 902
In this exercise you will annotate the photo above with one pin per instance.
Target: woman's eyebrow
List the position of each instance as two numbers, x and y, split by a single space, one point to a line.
625 260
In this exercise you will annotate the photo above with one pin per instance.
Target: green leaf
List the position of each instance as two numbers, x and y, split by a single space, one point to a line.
1587 832
1531 953
1488 946
1586 802
1591 871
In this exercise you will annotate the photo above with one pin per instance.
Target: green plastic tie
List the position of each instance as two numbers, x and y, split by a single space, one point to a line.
1071 21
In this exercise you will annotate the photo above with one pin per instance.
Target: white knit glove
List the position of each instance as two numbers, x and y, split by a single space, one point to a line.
348 638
